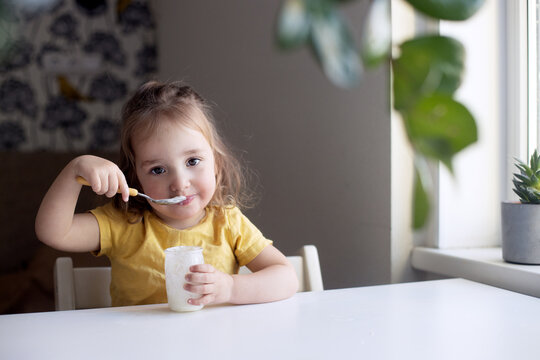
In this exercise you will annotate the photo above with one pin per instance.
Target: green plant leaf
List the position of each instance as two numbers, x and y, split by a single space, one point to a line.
426 74
292 24
523 194
534 160
524 168
421 204
447 9
524 179
377 34
426 65
334 47
439 127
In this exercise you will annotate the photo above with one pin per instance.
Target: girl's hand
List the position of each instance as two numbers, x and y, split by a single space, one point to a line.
214 285
104 176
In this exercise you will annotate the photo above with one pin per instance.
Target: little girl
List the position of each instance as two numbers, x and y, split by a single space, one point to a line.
169 147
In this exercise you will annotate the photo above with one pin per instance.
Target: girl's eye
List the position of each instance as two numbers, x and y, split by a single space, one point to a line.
157 170
193 161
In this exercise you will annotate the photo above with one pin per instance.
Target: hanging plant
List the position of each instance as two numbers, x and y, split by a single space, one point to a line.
427 71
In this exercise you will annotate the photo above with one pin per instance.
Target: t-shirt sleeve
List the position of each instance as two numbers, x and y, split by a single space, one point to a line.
104 214
248 241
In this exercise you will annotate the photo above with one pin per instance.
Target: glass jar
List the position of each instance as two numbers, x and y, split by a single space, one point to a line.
178 260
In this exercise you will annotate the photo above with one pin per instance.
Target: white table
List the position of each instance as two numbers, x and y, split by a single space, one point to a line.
444 319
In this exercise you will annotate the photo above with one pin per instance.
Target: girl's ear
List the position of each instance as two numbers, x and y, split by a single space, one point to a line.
216 167
217 173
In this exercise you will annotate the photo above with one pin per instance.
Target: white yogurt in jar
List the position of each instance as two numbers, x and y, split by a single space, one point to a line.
178 259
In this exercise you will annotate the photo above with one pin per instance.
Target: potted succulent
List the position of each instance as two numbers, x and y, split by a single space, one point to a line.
521 220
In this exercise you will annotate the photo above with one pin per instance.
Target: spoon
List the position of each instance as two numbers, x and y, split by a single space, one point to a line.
135 192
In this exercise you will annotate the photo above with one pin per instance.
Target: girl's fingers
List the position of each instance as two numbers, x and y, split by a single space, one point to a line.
200 278
112 185
214 286
202 268
123 186
96 183
104 176
204 289
104 181
203 300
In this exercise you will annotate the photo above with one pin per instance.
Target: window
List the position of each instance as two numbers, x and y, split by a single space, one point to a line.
501 88
469 200
521 134
532 78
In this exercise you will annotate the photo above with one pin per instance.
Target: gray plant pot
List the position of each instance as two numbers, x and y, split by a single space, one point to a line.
520 233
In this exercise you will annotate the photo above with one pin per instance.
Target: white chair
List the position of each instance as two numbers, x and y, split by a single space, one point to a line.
88 287
81 287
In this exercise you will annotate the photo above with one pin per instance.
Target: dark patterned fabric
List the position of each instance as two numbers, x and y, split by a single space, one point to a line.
68 68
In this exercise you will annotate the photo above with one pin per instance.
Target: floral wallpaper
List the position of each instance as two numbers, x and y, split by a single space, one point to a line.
68 68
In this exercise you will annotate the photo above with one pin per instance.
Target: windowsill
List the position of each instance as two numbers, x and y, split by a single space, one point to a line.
484 265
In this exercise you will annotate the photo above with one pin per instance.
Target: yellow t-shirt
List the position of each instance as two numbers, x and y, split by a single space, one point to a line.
136 251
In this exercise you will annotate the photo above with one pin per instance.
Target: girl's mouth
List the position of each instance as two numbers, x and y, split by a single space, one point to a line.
188 200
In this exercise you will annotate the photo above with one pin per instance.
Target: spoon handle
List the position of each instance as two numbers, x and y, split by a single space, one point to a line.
82 181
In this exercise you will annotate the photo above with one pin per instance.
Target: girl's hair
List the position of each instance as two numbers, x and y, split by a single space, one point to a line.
155 103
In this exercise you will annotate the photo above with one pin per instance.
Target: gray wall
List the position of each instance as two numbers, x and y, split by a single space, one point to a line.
322 153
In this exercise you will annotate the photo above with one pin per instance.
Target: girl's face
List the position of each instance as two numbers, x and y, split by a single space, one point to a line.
176 160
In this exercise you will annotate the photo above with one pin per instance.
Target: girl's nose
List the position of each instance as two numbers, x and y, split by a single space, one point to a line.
179 183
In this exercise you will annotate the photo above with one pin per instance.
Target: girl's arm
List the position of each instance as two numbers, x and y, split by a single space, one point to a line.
57 225
273 278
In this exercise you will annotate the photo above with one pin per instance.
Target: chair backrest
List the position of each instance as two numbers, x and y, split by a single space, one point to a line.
88 287
80 287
